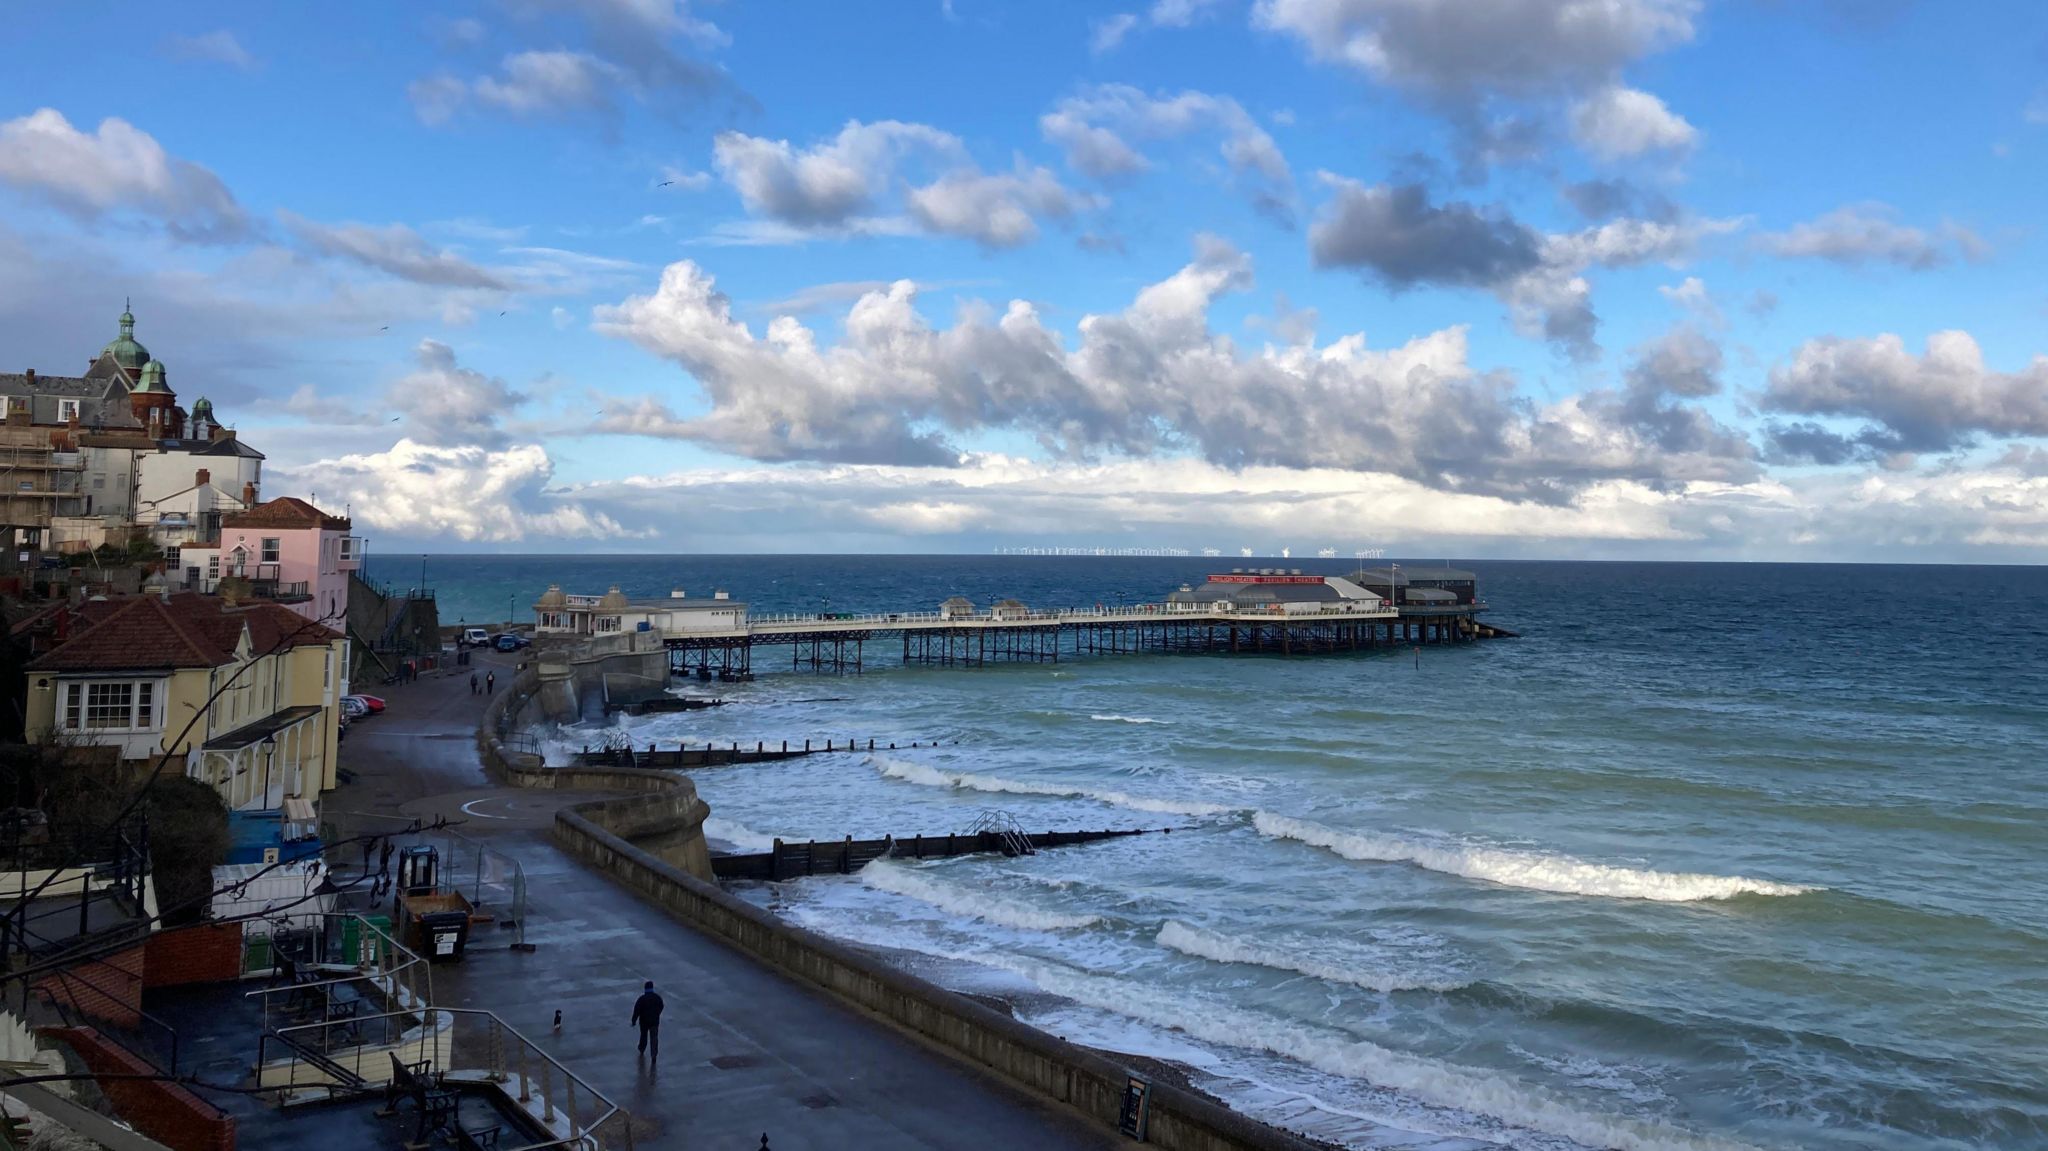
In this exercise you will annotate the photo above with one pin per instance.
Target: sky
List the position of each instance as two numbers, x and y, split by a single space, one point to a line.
1628 279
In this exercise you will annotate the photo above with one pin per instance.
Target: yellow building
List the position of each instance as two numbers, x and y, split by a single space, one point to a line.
243 696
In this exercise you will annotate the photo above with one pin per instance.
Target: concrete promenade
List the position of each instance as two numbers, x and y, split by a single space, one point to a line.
745 1050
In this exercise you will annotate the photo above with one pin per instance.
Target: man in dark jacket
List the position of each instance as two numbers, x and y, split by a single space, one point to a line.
647 1014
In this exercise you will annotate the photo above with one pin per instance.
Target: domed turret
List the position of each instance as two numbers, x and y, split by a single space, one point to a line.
125 350
552 599
152 377
613 601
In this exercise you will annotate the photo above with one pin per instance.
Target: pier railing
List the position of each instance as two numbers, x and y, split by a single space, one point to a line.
870 621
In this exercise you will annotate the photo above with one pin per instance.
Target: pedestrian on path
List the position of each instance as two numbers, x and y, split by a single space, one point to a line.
647 1016
490 682
472 683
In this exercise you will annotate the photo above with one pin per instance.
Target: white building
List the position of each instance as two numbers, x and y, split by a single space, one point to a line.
557 613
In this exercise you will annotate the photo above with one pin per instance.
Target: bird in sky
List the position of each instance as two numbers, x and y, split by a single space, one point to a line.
385 328
501 313
664 183
395 419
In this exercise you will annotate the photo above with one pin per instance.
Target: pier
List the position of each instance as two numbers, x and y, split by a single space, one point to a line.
1265 611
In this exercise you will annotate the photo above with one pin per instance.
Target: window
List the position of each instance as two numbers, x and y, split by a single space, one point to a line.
213 566
348 548
99 483
326 670
170 557
145 705
270 549
67 411
109 707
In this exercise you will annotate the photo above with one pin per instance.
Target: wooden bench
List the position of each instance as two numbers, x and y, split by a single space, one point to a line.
432 1102
476 1138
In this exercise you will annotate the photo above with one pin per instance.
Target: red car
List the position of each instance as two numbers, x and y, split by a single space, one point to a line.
371 704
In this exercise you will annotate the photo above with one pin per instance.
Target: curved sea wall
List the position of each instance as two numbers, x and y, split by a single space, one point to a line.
1029 1058
662 816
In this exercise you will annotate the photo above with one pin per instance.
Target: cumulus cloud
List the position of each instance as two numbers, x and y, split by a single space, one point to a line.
1618 122
216 47
392 248
1604 199
1870 233
1457 51
1498 69
445 403
640 48
116 168
1091 127
851 184
1397 236
463 492
1941 399
1151 379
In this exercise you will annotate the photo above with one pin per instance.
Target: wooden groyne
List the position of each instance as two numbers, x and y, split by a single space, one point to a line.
661 705
846 856
656 757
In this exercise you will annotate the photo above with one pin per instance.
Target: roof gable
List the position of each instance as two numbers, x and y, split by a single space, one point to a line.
186 630
285 512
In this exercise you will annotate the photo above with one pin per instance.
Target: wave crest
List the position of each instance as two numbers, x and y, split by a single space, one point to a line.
1113 718
897 879
919 773
736 833
1296 956
1532 870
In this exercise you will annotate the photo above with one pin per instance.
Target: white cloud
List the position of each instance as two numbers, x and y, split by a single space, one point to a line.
216 47
1691 294
528 84
1619 122
995 211
117 167
683 179
465 492
1090 127
1105 35
1870 233
851 183
2036 111
392 248
446 403
1152 379
1931 402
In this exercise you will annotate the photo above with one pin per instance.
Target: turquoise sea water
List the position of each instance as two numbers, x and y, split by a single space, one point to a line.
1713 856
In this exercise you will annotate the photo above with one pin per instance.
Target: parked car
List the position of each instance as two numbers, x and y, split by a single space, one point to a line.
511 642
474 637
358 706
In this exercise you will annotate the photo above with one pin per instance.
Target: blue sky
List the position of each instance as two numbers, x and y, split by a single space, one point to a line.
1747 280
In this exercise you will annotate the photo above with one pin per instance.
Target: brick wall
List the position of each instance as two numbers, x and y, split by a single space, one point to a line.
202 953
108 990
166 1112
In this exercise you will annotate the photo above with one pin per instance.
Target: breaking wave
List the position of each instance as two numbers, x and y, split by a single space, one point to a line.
1532 870
932 777
1124 719
979 903
737 834
1297 956
1454 1087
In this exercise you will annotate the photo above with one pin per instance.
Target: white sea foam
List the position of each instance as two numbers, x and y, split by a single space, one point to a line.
1303 957
737 834
1527 869
1124 719
932 777
977 903
1475 1092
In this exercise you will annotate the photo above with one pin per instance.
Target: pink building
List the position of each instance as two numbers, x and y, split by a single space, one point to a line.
289 550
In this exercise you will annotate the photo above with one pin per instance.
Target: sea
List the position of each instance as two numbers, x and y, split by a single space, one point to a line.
1712 856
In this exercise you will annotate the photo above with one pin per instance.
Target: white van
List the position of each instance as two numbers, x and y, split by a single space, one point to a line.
475 637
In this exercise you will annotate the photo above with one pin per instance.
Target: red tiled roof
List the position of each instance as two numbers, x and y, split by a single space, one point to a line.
285 512
150 633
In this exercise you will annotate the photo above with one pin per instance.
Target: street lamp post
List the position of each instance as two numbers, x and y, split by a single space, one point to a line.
269 748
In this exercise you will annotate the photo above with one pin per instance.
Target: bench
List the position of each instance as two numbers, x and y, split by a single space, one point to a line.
299 980
476 1138
433 1103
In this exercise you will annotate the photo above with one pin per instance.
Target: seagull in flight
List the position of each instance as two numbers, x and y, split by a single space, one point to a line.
395 419
664 183
385 328
501 313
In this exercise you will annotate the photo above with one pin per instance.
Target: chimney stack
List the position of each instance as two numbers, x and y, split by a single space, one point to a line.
201 478
31 374
248 495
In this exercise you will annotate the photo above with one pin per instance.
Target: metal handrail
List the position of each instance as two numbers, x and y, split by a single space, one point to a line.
521 1072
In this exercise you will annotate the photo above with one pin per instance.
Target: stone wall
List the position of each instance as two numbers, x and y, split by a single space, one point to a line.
1031 1059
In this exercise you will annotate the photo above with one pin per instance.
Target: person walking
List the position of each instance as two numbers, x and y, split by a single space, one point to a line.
473 689
647 1016
490 682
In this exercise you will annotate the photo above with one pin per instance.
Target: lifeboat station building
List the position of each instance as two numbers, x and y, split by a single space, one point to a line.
1278 591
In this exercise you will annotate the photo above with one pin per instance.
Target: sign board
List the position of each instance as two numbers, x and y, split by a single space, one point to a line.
1239 577
1137 1107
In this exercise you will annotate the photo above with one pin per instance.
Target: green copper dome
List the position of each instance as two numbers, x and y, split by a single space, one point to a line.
124 349
152 376
202 409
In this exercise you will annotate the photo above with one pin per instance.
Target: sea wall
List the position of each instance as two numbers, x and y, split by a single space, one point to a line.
662 816
1031 1059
